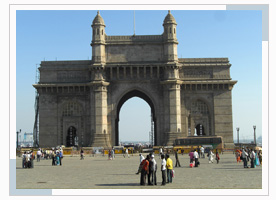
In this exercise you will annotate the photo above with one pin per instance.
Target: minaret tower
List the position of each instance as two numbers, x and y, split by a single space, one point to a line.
98 40
169 38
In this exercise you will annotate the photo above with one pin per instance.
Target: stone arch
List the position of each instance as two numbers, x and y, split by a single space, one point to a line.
126 96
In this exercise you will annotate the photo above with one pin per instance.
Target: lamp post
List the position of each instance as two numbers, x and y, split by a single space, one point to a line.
238 140
254 127
17 132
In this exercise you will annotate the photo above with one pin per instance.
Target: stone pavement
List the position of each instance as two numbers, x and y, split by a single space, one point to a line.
101 173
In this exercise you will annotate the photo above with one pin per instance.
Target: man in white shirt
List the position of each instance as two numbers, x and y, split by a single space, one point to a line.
163 169
154 170
38 155
196 158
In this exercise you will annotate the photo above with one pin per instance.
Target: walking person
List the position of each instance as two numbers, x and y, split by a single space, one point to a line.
176 158
163 169
169 166
112 154
127 152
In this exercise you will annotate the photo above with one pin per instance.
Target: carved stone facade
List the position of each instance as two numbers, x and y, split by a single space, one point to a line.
80 101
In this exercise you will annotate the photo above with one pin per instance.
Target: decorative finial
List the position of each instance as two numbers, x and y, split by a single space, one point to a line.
98 12
169 12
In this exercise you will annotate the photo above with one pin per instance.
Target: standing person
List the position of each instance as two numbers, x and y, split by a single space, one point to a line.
127 152
140 166
154 180
53 158
257 162
38 155
32 159
260 157
196 158
169 166
210 156
202 152
24 159
160 152
28 159
60 156
112 154
81 154
244 157
57 158
238 156
252 157
217 157
144 171
151 169
191 155
176 158
163 169
198 151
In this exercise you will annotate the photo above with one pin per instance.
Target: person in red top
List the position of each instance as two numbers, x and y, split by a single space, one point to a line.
145 170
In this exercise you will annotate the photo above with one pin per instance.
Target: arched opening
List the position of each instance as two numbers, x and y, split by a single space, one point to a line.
71 139
200 130
126 97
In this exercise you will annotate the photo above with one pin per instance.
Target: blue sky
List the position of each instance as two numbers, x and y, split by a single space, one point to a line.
66 35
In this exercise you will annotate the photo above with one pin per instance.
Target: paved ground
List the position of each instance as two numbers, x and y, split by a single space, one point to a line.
101 173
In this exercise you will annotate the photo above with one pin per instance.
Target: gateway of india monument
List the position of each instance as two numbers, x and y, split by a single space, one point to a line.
79 101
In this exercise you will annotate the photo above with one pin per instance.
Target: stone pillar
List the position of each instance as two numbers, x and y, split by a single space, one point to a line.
174 102
101 135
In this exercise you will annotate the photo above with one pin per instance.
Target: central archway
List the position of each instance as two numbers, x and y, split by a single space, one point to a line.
127 96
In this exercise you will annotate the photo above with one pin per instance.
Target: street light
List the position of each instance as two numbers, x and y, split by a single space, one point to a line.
238 129
254 127
17 132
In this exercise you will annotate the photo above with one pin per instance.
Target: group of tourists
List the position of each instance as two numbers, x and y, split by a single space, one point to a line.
148 169
246 155
57 156
28 159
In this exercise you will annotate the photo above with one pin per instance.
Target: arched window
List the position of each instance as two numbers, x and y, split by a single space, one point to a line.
72 109
170 30
174 30
97 31
102 32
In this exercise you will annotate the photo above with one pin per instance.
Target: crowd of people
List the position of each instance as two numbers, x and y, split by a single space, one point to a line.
55 154
246 155
28 159
148 169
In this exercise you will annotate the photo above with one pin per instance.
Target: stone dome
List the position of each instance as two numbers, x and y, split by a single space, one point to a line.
169 19
98 20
